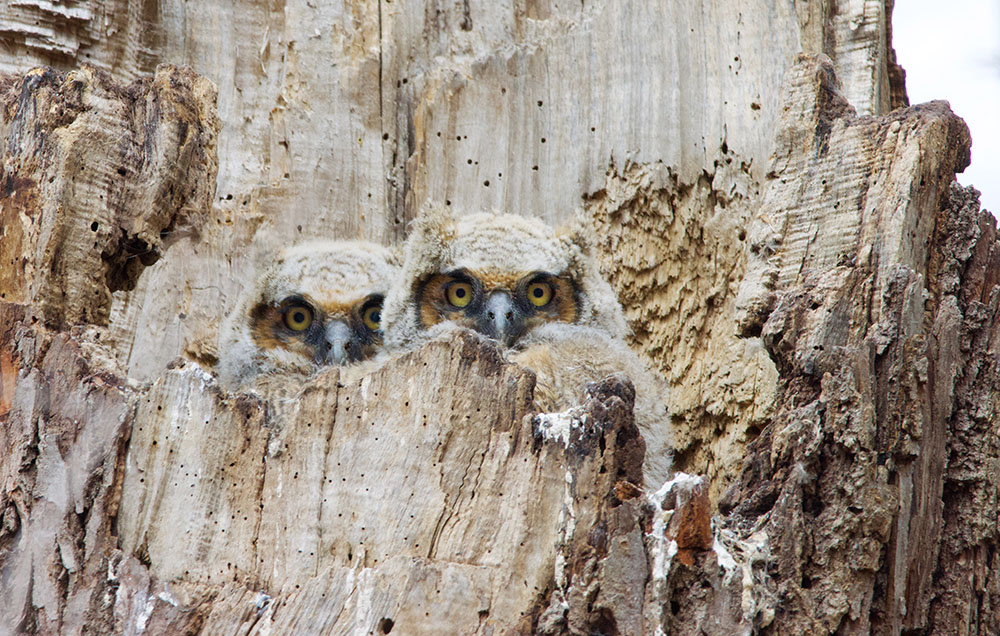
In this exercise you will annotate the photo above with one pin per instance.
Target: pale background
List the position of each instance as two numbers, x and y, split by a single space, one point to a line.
952 51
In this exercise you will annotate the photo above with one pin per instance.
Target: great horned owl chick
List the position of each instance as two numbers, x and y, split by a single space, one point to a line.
317 304
540 294
499 274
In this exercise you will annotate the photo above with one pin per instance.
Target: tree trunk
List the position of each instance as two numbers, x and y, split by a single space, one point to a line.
786 236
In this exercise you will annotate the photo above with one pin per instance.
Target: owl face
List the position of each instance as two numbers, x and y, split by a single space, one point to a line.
501 305
316 304
502 275
333 332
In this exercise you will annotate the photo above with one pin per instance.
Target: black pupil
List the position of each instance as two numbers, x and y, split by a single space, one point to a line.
539 292
299 317
375 316
460 292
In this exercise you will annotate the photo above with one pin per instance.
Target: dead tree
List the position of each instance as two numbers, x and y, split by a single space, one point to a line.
785 233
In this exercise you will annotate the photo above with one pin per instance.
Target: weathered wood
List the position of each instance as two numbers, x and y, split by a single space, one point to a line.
66 422
343 118
651 228
844 285
799 264
95 176
454 509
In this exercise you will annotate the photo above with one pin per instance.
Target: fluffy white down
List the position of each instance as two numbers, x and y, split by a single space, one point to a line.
441 242
326 271
565 358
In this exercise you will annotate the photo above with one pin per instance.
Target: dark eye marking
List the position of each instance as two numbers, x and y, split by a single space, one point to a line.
371 312
296 313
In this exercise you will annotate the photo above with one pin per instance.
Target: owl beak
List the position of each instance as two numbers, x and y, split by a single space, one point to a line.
340 337
501 319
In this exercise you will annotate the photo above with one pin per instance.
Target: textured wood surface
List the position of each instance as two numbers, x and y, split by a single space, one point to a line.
179 515
798 262
676 253
66 421
342 118
859 227
95 176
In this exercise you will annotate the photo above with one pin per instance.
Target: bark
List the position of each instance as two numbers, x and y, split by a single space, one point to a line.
96 175
793 254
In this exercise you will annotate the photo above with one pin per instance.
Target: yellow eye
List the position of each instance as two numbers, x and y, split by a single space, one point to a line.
459 293
298 317
372 316
539 293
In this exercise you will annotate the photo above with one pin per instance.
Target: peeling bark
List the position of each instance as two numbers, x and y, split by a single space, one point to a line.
95 177
799 264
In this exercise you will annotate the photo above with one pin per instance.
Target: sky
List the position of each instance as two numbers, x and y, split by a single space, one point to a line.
951 50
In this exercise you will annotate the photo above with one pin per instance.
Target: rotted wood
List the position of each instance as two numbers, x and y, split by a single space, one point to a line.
197 512
863 504
95 177
343 118
869 277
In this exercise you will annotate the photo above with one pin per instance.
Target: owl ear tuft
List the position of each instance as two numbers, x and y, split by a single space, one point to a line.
260 258
426 247
576 232
578 240
602 301
430 234
394 255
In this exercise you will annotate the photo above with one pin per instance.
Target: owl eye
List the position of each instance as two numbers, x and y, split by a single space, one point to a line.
539 293
298 317
372 316
459 293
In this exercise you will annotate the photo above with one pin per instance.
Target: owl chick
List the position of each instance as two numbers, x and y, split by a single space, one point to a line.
317 304
540 294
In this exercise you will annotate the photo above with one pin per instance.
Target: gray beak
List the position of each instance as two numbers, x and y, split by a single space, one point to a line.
340 336
501 319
